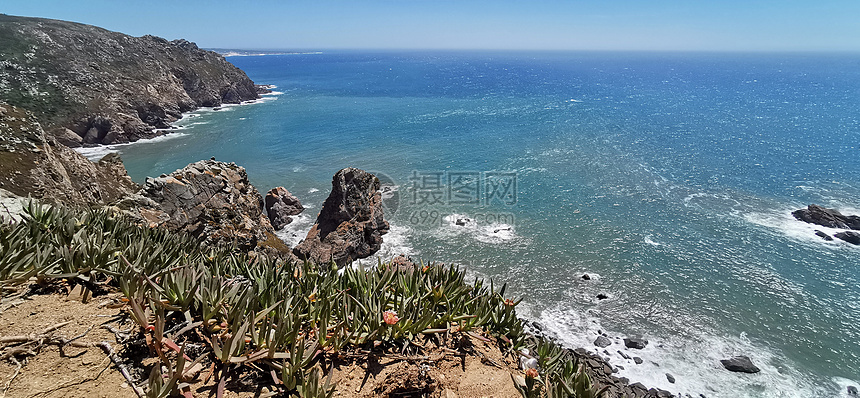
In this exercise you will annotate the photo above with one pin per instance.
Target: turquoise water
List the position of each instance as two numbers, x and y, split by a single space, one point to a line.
669 178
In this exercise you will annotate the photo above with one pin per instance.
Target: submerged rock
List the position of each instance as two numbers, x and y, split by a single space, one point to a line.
852 390
740 363
280 205
830 218
637 343
849 236
350 225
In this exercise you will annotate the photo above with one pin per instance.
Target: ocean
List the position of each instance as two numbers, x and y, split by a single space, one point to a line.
668 178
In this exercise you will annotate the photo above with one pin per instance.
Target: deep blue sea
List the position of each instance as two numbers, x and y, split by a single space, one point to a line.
668 178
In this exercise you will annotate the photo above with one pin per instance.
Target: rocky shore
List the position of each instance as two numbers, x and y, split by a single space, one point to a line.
88 85
64 84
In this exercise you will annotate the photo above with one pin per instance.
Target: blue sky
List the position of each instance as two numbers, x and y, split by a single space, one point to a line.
786 25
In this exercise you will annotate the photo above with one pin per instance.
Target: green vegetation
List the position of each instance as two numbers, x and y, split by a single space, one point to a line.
247 310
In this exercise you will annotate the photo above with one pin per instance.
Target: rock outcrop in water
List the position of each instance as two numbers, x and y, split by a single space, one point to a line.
32 164
350 225
88 85
280 205
849 236
208 199
741 364
830 218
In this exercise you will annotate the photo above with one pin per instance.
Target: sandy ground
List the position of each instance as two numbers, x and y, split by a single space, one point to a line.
465 366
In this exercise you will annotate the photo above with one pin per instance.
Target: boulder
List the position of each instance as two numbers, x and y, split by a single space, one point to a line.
849 236
670 378
831 218
602 342
351 223
211 200
280 205
637 343
638 360
740 363
852 390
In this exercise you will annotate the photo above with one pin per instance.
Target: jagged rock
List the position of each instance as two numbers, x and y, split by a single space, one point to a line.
849 236
831 218
586 277
823 235
637 343
34 165
602 342
107 87
208 199
740 363
280 205
350 225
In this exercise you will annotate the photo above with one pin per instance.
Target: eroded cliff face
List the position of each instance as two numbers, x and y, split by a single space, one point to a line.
32 164
88 85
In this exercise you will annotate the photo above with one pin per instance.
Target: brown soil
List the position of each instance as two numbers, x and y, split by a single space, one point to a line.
81 372
466 366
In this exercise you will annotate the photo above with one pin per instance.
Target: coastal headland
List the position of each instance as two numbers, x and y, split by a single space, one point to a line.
64 85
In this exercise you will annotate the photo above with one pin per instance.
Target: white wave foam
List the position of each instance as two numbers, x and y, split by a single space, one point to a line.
97 152
785 224
651 242
312 190
695 364
272 93
297 230
844 383
487 231
395 243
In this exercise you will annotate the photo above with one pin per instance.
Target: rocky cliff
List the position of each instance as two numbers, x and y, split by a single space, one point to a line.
211 200
34 165
88 85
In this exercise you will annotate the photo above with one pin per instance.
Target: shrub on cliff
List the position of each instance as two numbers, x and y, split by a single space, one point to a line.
247 310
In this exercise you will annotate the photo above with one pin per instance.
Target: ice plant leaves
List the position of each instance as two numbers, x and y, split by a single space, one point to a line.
250 310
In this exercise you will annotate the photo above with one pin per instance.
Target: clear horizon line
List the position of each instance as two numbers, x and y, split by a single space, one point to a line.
522 50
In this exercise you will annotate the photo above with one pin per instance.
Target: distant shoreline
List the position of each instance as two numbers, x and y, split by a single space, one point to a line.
249 53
